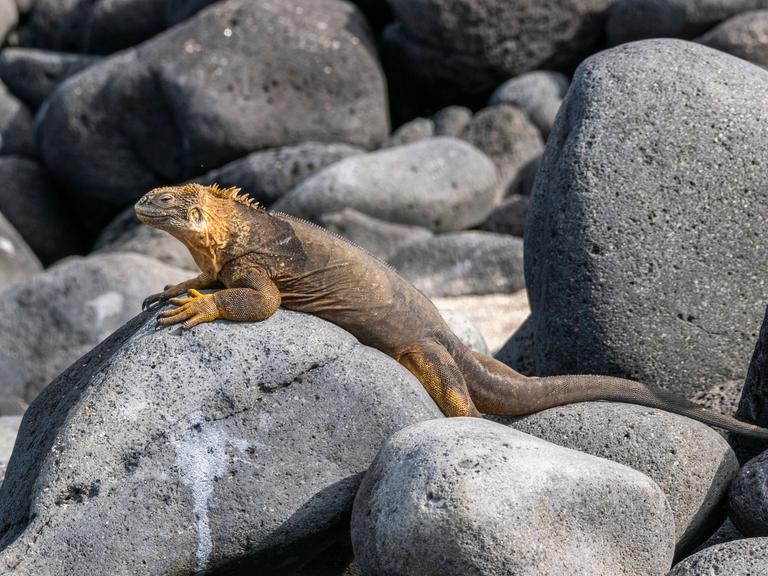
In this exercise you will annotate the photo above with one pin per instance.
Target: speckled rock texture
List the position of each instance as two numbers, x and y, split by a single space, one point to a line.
463 263
234 446
464 496
442 184
631 268
638 19
459 47
689 461
9 426
744 35
50 320
753 404
237 77
747 557
17 261
722 397
749 497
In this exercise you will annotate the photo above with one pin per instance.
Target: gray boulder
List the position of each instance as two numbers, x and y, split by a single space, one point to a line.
37 210
442 184
752 404
126 234
17 261
738 558
452 121
466 331
744 35
463 263
268 175
50 320
380 238
631 268
468 47
508 217
16 133
749 497
234 447
9 427
413 131
689 461
464 496
9 18
32 74
539 94
93 26
638 19
237 77
506 135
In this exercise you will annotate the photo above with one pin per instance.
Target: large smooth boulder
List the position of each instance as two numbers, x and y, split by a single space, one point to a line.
744 35
689 461
37 209
234 446
50 320
638 19
442 184
17 261
749 497
94 26
745 557
632 266
268 175
466 47
463 263
237 77
464 496
32 74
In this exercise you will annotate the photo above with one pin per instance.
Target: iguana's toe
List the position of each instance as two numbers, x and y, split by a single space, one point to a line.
196 309
152 301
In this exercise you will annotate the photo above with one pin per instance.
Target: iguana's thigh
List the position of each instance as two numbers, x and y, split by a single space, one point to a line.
438 373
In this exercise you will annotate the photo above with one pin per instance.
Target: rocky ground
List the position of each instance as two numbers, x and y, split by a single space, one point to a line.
580 186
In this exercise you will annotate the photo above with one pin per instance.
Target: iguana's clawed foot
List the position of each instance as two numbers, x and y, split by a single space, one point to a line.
153 301
196 309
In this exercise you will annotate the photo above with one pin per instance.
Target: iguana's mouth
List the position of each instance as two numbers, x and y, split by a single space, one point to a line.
144 214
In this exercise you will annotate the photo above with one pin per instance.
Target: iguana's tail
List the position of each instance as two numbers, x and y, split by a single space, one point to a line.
498 390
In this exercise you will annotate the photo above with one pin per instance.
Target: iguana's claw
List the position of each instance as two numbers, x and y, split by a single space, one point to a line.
196 309
153 301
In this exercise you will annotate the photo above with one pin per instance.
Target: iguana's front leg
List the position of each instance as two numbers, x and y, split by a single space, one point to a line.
200 282
254 297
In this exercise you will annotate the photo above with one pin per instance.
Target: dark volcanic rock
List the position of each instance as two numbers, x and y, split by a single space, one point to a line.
463 496
17 261
42 217
518 352
442 184
745 36
463 263
235 446
95 26
508 217
689 461
631 266
738 558
507 137
466 47
9 426
268 175
539 94
723 398
638 19
380 238
239 76
749 497
16 132
753 404
50 320
33 74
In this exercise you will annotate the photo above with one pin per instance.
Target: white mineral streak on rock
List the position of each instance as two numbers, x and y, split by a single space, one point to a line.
201 458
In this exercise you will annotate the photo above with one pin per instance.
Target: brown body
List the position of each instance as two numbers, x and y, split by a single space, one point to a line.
263 260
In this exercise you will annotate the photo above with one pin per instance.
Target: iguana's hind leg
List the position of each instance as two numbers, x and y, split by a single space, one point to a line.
439 374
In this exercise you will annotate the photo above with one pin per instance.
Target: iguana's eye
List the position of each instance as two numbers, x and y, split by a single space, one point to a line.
165 198
194 214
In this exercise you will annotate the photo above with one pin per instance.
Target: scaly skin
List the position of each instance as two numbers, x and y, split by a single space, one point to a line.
262 260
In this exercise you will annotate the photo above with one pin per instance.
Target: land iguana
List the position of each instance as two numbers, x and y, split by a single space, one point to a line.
261 260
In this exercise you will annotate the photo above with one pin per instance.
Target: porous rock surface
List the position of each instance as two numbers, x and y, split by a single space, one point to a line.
240 446
463 263
17 261
631 268
747 557
49 320
748 499
237 77
753 403
689 461
466 496
442 184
